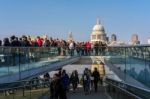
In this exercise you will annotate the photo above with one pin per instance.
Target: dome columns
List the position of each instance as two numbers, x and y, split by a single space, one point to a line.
98 33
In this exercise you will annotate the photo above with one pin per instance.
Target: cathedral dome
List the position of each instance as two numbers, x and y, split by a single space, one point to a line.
98 33
98 26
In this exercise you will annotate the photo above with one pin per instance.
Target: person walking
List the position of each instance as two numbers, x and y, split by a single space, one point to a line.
86 81
57 88
74 80
65 81
96 76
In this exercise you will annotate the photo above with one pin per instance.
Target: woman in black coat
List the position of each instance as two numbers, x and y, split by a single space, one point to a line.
74 80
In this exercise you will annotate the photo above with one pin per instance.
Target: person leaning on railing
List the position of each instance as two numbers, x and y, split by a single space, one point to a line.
71 48
96 48
0 42
88 48
82 48
6 42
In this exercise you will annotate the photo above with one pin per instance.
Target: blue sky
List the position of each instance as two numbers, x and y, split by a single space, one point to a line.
57 17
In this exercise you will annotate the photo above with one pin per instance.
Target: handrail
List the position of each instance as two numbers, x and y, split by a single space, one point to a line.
129 87
26 88
27 85
22 81
28 81
125 90
138 45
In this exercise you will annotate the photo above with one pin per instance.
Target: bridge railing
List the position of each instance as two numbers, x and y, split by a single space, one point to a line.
15 60
125 89
36 88
27 89
132 60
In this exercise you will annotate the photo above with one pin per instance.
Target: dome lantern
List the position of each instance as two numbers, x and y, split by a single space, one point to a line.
98 21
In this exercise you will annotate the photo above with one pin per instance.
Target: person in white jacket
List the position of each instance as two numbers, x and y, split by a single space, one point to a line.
71 48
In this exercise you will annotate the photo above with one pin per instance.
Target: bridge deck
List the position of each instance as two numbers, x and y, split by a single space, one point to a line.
79 94
96 95
86 60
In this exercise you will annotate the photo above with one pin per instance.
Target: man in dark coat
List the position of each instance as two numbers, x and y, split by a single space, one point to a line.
0 43
6 42
96 76
74 79
57 88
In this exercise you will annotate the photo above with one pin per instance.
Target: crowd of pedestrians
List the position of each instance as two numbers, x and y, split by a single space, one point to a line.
59 85
81 48
27 41
25 49
61 82
90 80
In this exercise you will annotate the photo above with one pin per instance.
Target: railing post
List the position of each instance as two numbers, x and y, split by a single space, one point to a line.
145 64
23 91
13 93
30 90
5 92
19 64
125 64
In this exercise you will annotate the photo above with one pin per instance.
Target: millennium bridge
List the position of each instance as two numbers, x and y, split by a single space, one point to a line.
125 71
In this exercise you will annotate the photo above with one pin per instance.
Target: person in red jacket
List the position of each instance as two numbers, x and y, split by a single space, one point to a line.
88 47
39 41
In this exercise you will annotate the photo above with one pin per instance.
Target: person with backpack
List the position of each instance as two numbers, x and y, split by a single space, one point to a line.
86 81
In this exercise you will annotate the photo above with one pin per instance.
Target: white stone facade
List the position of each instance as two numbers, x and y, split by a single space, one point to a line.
98 33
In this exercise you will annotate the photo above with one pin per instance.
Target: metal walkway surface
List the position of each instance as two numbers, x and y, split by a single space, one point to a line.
79 94
84 61
93 95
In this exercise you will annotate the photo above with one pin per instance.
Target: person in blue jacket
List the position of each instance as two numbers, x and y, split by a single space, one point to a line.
65 80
